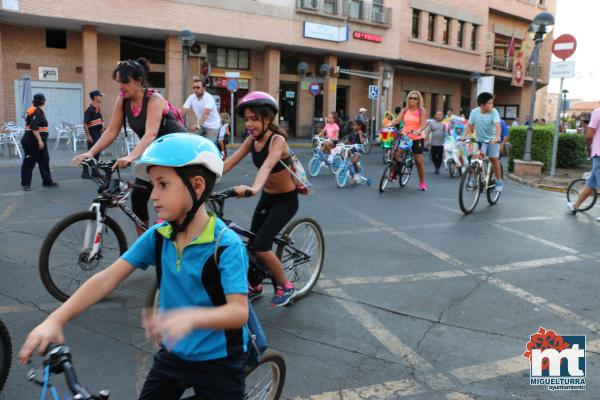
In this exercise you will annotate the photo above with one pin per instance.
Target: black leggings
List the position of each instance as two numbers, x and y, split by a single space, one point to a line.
437 156
139 199
272 213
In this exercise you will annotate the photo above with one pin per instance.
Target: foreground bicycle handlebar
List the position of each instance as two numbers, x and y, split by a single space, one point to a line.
58 361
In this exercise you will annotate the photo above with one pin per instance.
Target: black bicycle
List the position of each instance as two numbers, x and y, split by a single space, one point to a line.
301 249
574 190
86 242
5 354
58 361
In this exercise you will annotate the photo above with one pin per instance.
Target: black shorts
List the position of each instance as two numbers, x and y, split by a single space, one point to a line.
271 215
418 146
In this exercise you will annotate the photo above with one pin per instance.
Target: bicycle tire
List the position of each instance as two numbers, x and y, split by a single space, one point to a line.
45 265
368 144
302 291
492 195
275 385
341 176
405 173
314 166
5 354
451 168
573 192
385 178
336 164
464 186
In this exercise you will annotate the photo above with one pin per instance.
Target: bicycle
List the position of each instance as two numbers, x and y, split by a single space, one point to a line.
402 166
453 153
58 361
86 242
5 354
478 177
300 248
314 165
346 169
575 189
386 142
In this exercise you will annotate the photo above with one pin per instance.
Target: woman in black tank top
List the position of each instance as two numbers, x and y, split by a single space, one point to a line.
144 109
279 200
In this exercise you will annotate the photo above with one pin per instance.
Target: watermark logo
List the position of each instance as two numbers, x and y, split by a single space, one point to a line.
557 361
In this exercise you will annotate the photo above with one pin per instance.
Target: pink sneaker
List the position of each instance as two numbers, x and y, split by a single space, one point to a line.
422 187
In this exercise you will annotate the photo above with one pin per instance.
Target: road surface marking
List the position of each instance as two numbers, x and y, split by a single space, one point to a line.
10 208
535 238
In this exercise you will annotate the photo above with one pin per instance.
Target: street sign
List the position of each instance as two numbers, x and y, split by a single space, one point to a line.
314 89
233 85
373 91
562 69
564 46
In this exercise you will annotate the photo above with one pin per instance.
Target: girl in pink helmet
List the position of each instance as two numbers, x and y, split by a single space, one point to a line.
278 202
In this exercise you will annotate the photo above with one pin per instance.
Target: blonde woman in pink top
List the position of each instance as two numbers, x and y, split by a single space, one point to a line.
331 132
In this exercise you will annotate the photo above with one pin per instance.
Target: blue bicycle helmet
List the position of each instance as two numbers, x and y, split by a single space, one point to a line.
178 150
405 143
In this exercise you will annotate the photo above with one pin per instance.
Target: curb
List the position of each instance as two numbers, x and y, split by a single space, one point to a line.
525 182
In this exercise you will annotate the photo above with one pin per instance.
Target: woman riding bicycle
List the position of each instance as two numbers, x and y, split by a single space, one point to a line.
148 115
279 199
414 118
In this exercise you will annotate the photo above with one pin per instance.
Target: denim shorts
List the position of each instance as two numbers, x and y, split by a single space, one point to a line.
490 150
593 180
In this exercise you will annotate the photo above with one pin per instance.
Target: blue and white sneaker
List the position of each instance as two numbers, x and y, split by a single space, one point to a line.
283 295
571 208
499 186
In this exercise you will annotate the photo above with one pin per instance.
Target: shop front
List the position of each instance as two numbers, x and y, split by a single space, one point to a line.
218 88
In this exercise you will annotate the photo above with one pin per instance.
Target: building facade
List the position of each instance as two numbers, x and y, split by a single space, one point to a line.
70 47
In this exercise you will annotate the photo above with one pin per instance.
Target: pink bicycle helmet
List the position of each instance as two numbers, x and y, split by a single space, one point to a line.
256 98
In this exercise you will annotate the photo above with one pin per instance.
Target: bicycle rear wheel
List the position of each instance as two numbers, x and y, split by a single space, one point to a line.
575 189
63 260
314 166
303 259
5 354
341 176
266 381
452 168
385 178
368 144
469 191
492 194
336 164
405 173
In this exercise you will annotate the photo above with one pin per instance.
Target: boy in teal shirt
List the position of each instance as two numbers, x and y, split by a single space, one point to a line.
203 302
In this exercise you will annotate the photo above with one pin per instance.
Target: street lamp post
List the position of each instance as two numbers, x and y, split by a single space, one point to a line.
542 25
187 39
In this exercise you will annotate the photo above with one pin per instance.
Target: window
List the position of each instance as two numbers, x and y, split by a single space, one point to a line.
431 27
228 58
432 108
474 38
309 4
156 79
289 64
445 28
134 48
56 39
461 31
415 23
378 15
356 9
330 7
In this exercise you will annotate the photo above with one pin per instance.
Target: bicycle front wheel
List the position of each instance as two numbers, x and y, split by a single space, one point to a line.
314 166
575 189
385 178
405 172
5 354
266 380
64 260
303 258
368 144
341 176
492 194
469 191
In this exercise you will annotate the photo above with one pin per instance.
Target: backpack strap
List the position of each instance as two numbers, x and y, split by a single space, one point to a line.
158 256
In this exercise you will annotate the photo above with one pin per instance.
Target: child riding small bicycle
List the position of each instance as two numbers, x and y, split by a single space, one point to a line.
357 137
331 131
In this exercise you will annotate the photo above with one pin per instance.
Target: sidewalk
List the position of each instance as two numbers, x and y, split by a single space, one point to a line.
559 183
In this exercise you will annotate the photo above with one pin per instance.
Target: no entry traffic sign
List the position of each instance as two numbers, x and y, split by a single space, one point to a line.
564 46
314 89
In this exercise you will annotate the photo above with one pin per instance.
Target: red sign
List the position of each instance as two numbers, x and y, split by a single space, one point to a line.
564 46
370 37
314 89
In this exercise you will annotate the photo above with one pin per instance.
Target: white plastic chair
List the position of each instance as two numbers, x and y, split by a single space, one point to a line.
61 133
79 136
11 135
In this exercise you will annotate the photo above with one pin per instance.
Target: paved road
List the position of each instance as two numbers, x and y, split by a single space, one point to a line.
416 300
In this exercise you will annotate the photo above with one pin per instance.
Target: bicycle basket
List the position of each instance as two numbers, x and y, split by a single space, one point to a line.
387 137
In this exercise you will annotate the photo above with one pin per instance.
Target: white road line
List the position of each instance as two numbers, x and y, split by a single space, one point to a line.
391 342
429 249
491 370
458 396
359 280
526 219
8 210
351 231
536 238
387 390
542 262
555 308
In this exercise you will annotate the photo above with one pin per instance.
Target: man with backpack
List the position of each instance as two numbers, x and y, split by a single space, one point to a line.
202 103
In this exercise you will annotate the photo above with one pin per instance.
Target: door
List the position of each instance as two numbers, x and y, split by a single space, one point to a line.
64 102
288 102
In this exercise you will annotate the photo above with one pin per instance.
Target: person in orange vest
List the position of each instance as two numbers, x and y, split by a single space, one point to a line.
34 144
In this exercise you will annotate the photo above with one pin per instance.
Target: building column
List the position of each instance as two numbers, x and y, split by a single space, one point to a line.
423 25
439 29
3 113
90 59
330 86
468 27
439 106
272 66
453 38
174 71
427 100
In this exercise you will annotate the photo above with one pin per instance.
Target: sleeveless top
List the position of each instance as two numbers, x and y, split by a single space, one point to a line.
412 121
259 157
168 123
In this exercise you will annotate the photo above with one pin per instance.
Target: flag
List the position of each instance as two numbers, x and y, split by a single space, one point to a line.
512 45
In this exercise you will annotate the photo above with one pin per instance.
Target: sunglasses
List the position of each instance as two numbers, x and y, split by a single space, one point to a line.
197 87
413 98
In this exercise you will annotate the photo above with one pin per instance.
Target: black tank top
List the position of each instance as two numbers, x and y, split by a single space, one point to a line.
168 123
259 157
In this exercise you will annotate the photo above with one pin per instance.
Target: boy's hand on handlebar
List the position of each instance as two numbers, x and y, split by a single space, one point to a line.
78 159
45 333
244 191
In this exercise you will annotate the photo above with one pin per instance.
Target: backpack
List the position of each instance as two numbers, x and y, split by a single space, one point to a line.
258 340
296 169
169 109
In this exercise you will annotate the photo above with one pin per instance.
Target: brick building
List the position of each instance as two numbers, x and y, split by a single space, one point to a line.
70 47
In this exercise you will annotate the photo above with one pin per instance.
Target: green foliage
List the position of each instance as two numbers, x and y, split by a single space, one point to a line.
541 144
571 150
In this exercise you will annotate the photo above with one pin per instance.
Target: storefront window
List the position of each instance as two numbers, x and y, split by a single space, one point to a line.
415 23
232 58
228 58
221 58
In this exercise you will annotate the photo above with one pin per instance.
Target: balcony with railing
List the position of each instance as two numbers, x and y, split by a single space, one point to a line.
504 64
351 10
